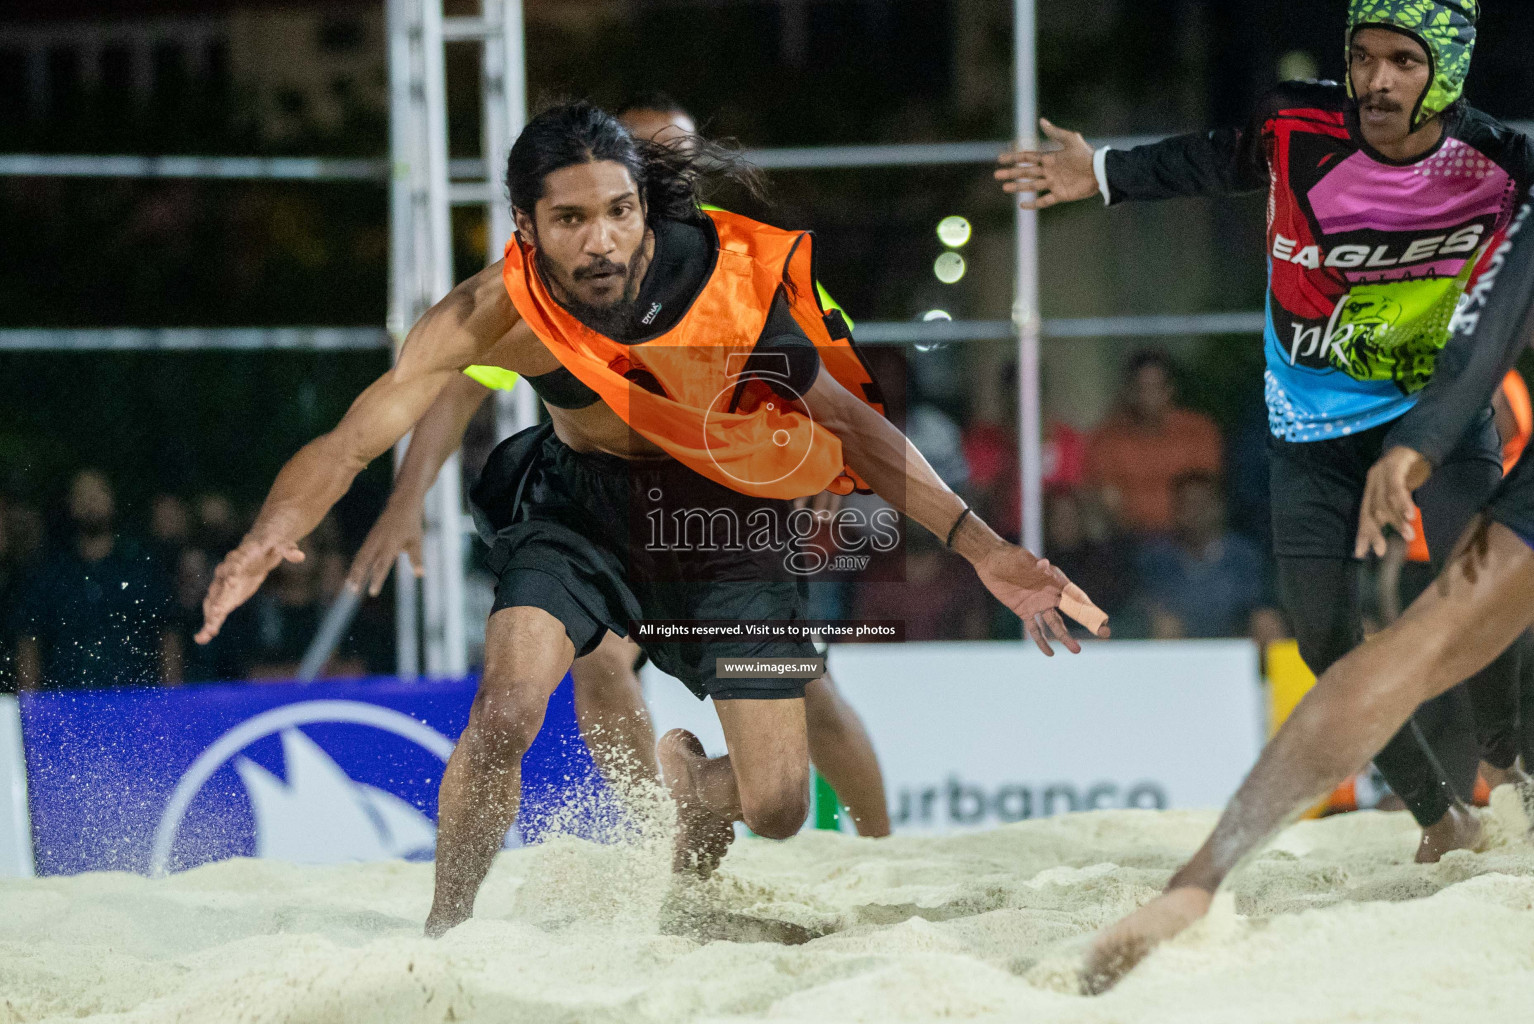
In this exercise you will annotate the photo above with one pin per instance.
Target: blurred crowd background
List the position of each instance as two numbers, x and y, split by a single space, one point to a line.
125 476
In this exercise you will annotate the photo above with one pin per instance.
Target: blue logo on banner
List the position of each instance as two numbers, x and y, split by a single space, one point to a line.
164 779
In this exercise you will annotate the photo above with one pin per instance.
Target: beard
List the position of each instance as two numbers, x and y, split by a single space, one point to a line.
616 319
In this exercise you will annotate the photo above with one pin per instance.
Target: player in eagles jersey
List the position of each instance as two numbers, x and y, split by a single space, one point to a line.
1385 196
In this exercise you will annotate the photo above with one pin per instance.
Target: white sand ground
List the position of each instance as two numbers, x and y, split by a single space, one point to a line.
1332 924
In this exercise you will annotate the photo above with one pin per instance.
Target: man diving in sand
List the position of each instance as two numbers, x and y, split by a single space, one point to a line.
700 375
609 701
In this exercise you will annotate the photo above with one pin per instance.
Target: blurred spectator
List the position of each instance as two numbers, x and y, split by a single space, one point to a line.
286 615
21 547
26 535
1137 453
1204 580
1101 564
940 599
189 538
170 527
1064 457
991 451
226 657
218 525
286 612
99 611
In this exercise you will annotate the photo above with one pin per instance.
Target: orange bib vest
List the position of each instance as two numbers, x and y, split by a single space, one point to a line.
1517 394
711 417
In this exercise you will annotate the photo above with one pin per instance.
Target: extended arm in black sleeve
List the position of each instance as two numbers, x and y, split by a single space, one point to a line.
1218 163
1223 162
1491 328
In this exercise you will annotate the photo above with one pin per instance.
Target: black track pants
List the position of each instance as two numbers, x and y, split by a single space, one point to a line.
1317 488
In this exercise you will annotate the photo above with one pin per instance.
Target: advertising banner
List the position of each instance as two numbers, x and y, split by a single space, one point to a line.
973 735
969 735
154 780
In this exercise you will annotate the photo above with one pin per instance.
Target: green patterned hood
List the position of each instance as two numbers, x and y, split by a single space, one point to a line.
1445 27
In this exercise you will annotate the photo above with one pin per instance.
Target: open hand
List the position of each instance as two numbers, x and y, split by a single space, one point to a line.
1387 499
240 575
1053 176
398 529
1032 588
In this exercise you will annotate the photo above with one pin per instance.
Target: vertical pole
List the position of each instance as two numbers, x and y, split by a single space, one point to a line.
495 94
446 639
516 409
1025 304
401 26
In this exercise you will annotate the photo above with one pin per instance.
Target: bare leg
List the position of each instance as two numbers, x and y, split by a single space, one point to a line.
764 780
609 705
1480 604
841 750
526 655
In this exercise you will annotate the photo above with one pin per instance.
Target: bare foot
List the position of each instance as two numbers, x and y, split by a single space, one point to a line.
1457 830
702 836
1117 949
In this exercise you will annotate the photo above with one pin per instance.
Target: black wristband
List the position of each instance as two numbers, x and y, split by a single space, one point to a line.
967 511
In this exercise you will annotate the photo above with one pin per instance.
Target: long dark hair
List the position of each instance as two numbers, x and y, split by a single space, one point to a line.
672 179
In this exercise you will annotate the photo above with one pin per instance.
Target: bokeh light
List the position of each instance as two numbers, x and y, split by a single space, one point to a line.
949 267
953 231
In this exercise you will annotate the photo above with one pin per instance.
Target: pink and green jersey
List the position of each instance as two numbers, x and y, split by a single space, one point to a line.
1368 258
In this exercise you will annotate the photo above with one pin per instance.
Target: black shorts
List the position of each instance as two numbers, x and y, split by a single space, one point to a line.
1513 504
594 540
1317 490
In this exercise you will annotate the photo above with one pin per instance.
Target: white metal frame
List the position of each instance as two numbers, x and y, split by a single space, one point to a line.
421 256
1025 300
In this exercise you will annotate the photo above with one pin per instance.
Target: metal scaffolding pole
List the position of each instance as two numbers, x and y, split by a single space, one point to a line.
422 255
504 92
402 290
446 642
421 258
1025 302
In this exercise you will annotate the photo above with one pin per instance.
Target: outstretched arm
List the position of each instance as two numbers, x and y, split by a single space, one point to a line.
437 436
1216 163
898 473
450 336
